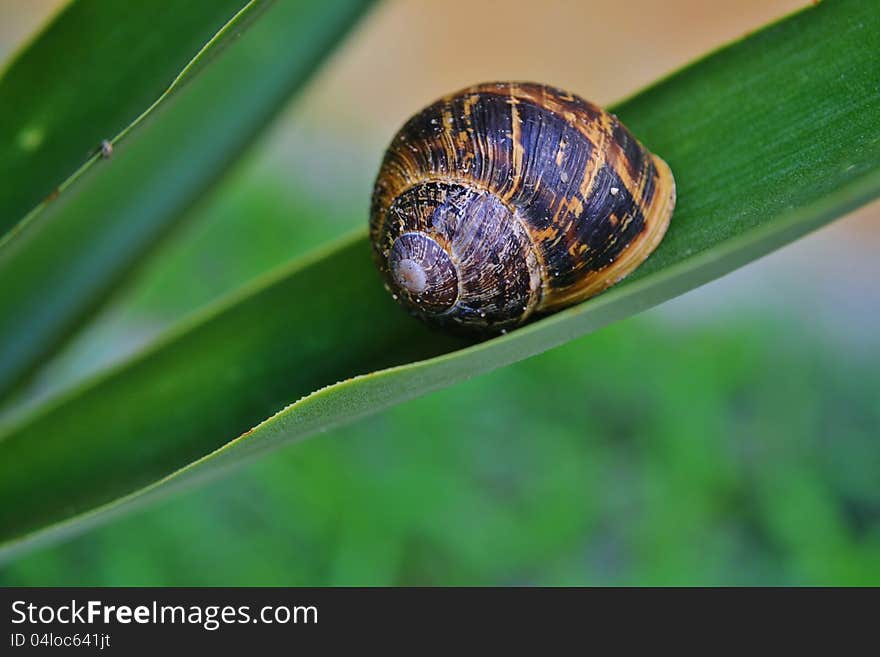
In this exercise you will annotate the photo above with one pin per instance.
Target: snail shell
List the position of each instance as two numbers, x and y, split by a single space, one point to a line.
509 199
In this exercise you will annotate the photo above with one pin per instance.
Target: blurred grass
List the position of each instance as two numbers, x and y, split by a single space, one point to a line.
640 455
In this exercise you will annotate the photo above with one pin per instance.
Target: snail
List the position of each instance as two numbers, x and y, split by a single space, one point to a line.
507 201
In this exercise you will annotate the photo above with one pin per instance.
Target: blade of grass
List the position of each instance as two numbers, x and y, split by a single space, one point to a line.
76 250
769 139
55 110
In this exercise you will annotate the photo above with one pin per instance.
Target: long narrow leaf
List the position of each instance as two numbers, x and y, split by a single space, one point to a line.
98 67
61 264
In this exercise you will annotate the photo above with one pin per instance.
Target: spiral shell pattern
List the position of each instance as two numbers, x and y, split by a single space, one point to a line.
510 199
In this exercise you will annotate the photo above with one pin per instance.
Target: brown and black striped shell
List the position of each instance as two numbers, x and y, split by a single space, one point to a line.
509 199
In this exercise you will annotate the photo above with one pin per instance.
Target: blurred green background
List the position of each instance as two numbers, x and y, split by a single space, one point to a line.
731 436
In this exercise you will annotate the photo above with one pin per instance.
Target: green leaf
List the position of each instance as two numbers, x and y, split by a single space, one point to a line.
55 110
769 139
74 252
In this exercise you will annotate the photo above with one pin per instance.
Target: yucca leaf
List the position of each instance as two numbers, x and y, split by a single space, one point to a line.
69 255
88 77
